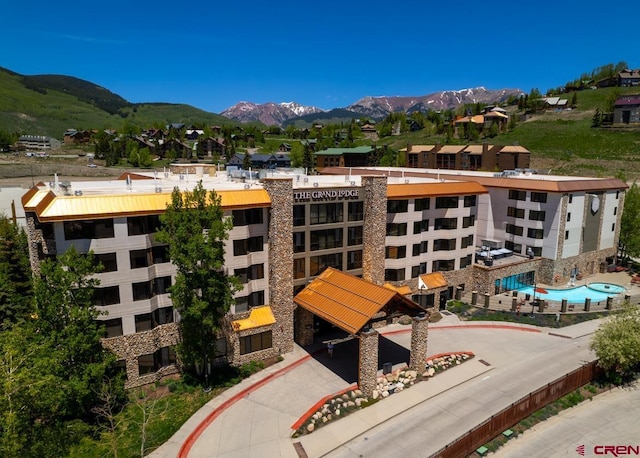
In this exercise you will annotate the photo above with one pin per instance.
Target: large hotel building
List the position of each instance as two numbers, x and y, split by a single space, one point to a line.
425 235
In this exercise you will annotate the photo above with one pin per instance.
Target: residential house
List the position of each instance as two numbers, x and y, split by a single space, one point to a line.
628 78
627 109
470 157
343 157
284 148
37 143
369 131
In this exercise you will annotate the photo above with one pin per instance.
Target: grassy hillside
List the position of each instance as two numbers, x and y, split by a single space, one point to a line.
50 104
564 141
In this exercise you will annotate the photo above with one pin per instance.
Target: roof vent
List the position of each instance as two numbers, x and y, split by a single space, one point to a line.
77 193
315 185
247 186
306 180
352 183
158 189
406 181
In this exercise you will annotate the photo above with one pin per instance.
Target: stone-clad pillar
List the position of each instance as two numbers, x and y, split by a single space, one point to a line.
281 260
368 361
419 337
304 326
374 229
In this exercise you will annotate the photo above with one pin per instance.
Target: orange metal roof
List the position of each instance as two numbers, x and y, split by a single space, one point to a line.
344 300
434 280
451 188
259 316
404 289
49 207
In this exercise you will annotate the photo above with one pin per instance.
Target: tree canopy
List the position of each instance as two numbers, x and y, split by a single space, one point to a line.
630 222
617 341
195 229
15 274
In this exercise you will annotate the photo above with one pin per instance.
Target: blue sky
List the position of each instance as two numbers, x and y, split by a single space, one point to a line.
328 54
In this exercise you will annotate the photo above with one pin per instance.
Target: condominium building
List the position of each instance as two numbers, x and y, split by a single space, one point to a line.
419 234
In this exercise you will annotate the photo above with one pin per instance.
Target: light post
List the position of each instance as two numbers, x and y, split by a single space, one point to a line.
533 302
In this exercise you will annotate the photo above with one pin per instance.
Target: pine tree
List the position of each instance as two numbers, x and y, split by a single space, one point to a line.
15 275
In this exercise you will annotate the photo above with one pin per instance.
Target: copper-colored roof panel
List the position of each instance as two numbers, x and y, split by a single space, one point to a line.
61 208
344 300
259 316
447 188
434 280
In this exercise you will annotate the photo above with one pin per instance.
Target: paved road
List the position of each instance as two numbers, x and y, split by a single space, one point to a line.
430 426
611 418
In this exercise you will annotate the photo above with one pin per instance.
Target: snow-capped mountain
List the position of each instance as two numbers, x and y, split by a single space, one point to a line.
379 107
268 113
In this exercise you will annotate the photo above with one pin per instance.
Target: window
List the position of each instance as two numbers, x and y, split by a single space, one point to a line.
138 225
152 362
356 211
396 229
354 260
515 247
566 235
535 215
160 254
395 252
244 303
298 215
107 295
466 241
613 227
570 198
421 204
254 272
298 242
250 245
466 261
536 250
535 233
617 194
447 202
145 364
397 206
443 265
108 261
514 194
419 248
163 315
299 268
318 263
92 229
141 290
255 342
139 258
420 226
444 244
418 270
615 211
326 213
112 327
246 217
568 216
515 212
513 229
445 223
468 221
354 235
470 201
325 239
393 274
539 197
143 322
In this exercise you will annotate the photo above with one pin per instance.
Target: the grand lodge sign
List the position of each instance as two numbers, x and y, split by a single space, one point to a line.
327 194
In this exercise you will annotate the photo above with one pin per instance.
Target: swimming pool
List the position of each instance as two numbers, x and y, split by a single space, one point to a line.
595 291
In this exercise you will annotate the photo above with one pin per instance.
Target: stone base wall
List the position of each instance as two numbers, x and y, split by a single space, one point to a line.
587 264
131 346
484 277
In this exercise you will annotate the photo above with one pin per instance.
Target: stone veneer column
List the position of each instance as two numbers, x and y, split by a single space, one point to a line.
374 230
304 327
419 337
34 236
281 260
368 361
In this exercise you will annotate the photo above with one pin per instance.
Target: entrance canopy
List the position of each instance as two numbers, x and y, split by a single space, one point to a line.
350 302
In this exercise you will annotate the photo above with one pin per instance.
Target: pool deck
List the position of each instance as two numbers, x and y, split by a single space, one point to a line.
503 301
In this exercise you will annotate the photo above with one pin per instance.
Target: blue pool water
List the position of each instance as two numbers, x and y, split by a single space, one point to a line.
596 291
